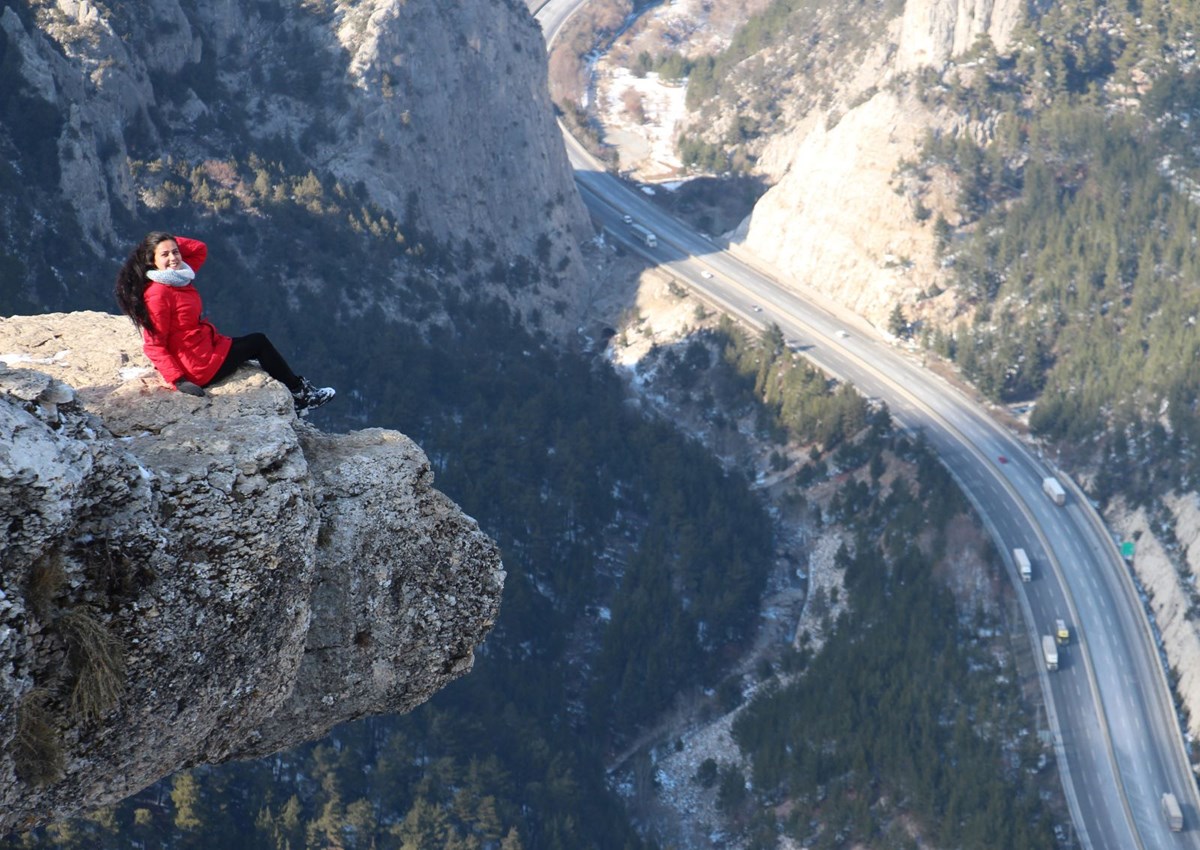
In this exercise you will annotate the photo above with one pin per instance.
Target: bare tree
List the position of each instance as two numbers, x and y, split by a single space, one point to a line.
635 106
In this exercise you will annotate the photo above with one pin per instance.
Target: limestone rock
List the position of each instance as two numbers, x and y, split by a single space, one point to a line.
842 216
188 580
933 31
1166 560
440 112
868 251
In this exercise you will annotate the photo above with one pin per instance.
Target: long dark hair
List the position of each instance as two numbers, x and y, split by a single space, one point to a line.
131 280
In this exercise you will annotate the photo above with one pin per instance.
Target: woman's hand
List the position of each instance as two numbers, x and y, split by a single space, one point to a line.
186 386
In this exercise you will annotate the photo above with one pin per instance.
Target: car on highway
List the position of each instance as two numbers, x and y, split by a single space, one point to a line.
843 334
1002 458
627 218
756 308
706 274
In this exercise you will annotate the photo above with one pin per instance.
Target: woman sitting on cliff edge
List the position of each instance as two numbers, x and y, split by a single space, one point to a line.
154 289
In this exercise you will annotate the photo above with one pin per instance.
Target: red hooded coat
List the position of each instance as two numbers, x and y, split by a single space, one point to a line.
183 344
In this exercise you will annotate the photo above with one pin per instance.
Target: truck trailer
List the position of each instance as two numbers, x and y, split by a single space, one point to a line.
1172 813
1024 567
1053 488
1050 652
645 235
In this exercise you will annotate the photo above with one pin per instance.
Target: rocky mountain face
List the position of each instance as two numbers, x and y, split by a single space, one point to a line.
190 580
867 251
934 31
828 108
438 113
840 217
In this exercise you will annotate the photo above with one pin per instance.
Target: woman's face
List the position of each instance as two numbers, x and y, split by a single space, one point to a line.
166 255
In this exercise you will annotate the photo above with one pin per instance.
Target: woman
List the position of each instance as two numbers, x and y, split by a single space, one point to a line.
154 289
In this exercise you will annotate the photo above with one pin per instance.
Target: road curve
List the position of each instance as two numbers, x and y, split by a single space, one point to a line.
1110 712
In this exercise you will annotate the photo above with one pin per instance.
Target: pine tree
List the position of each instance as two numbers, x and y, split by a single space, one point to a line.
512 840
185 796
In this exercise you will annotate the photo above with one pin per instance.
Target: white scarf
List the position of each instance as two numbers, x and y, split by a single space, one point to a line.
181 276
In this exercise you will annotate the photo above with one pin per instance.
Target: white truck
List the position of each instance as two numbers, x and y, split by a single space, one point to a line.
1024 566
1172 813
645 235
1053 488
1050 652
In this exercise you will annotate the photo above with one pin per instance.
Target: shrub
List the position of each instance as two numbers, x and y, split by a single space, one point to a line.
37 750
98 661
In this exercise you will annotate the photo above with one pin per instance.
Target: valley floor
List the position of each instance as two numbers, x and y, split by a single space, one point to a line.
656 773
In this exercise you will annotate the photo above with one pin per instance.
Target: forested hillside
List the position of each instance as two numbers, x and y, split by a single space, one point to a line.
906 710
1077 247
858 746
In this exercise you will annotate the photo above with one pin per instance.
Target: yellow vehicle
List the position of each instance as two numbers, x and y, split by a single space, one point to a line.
1061 633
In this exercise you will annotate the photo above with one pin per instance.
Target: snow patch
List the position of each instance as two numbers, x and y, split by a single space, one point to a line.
647 148
10 359
131 373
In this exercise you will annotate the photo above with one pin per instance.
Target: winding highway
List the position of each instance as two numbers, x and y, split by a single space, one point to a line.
1109 711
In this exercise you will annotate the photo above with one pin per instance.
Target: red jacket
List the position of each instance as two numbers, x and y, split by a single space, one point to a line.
183 345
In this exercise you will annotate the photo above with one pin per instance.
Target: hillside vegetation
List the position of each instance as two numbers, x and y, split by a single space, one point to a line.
906 646
1078 245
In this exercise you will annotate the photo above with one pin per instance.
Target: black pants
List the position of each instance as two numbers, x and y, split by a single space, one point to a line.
257 347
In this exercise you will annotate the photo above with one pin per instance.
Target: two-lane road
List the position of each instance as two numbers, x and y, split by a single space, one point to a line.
1117 740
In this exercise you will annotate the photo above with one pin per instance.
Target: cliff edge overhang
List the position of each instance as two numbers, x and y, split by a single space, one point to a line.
190 580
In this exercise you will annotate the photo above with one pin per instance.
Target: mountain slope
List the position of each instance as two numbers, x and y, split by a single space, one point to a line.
433 119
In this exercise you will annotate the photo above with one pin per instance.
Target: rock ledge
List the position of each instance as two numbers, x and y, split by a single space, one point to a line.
188 580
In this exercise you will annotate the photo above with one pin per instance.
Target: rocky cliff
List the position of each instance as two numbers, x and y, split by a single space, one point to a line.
840 217
190 580
438 114
868 251
831 112
934 31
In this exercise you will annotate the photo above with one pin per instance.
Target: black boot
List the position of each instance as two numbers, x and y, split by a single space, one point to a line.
309 397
